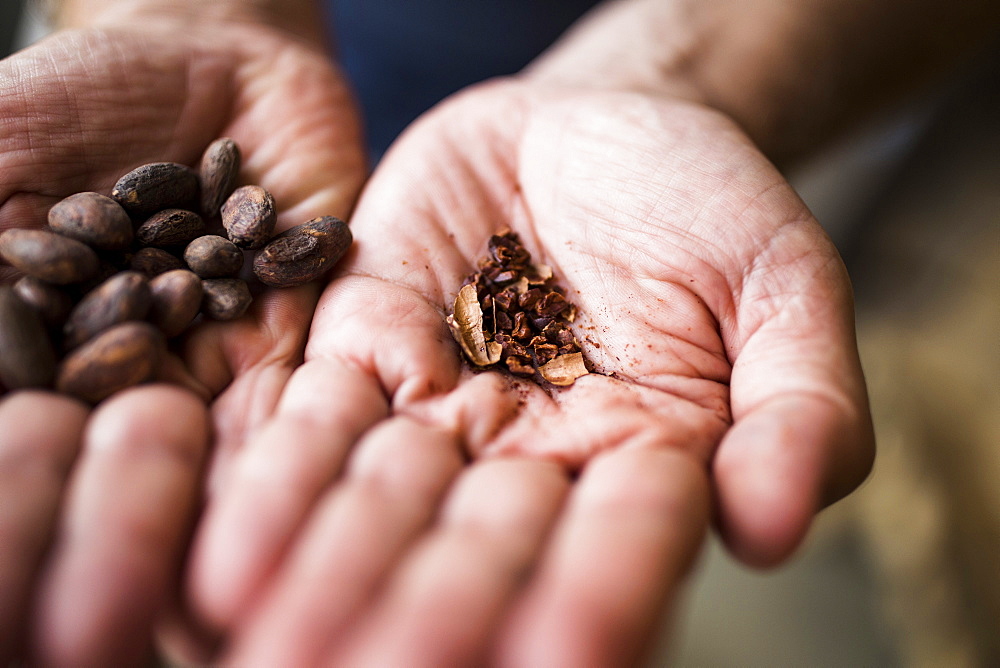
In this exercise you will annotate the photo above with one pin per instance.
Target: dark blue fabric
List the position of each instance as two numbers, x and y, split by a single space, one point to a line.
403 56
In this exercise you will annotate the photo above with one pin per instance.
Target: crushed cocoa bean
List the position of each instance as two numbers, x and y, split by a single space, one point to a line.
513 313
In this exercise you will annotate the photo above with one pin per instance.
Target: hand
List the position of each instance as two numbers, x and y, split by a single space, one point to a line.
480 516
80 109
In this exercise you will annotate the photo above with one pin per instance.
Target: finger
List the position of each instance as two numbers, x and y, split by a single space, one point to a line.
802 435
271 335
247 364
39 439
780 464
274 482
390 492
128 511
445 602
628 536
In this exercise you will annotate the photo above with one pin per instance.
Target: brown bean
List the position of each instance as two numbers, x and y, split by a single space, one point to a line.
27 358
50 302
48 256
96 220
123 356
225 298
155 186
220 165
176 299
154 261
249 216
212 256
303 253
122 297
170 227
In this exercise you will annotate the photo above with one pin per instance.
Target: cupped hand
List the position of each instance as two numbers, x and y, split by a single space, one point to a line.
400 507
95 545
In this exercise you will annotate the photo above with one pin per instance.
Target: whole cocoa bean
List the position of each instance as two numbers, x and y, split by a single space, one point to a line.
154 261
220 165
225 298
123 356
170 227
156 186
249 216
303 253
212 256
94 219
27 358
50 302
176 299
48 256
122 297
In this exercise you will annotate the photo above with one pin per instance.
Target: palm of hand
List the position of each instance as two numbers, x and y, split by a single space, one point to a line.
707 296
674 237
86 107
80 109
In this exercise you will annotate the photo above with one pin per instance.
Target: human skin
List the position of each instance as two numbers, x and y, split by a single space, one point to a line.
641 170
376 467
714 311
118 492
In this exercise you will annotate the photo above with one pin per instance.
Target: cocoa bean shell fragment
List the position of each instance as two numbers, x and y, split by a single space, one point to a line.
303 253
27 358
176 300
220 166
225 298
155 186
123 297
212 256
123 356
53 304
94 219
48 256
154 261
249 216
170 227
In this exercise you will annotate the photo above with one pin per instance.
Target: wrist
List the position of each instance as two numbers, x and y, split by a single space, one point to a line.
745 63
791 73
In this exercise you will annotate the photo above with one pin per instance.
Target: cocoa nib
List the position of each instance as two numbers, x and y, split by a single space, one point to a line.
513 313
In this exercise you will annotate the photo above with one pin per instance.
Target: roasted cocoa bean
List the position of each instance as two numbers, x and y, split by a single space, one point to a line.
48 256
122 297
225 298
176 300
27 358
170 227
249 216
220 165
50 302
212 256
521 309
156 186
154 261
123 356
303 253
96 220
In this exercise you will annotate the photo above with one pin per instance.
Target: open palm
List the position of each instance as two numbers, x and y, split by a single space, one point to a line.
80 109
454 515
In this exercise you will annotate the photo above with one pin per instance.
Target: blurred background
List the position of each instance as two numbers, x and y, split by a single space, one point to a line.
906 571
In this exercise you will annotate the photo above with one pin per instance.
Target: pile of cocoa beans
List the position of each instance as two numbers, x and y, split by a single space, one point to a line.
113 277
